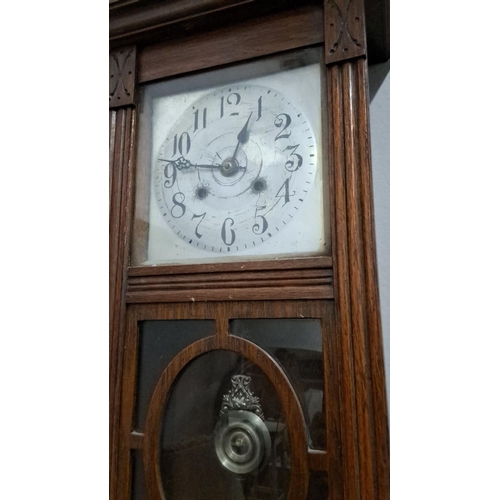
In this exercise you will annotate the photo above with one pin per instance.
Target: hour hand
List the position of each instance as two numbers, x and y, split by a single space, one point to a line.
244 132
182 163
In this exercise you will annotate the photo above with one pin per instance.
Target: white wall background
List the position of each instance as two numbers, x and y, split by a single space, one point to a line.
379 79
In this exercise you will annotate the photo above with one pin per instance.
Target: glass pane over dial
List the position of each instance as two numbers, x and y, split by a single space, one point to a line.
230 164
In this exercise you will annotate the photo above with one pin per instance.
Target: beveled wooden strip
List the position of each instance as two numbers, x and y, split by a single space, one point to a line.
288 399
242 309
364 436
112 138
299 282
357 280
374 326
242 283
121 152
332 402
128 388
231 267
254 38
268 293
344 30
339 242
217 279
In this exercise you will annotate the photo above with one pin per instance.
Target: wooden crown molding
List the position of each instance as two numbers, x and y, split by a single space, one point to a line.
147 21
150 21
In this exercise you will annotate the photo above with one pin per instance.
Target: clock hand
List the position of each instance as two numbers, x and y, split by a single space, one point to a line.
182 164
243 136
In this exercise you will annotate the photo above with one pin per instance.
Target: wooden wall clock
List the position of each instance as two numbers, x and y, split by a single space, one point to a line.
245 347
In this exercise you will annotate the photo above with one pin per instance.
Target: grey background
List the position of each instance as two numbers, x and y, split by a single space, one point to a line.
379 82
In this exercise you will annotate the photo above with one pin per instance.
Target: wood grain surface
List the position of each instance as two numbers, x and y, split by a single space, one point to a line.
222 313
345 36
364 416
122 144
254 38
122 72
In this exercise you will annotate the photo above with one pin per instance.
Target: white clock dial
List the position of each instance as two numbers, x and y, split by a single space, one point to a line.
235 169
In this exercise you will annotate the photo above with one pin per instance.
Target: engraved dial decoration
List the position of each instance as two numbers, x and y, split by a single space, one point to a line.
235 169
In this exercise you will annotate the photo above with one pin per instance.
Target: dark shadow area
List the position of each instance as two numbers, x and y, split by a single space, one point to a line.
376 76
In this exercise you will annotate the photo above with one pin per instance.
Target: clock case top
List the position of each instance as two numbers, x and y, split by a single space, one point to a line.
136 21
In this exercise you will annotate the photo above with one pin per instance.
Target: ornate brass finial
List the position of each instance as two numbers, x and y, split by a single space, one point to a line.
240 397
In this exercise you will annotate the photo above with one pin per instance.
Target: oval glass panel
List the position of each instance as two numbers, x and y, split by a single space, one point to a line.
224 435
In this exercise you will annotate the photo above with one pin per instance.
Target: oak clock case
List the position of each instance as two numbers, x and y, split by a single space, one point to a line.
246 356
231 164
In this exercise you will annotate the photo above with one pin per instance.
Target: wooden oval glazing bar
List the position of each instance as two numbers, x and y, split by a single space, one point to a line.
289 402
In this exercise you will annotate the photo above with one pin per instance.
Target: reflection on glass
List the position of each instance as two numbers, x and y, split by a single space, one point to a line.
224 435
297 345
160 342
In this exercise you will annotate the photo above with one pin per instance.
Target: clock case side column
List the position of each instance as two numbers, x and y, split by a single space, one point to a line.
363 393
122 135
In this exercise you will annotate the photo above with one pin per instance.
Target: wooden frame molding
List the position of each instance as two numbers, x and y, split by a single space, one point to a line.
121 152
366 459
222 313
254 38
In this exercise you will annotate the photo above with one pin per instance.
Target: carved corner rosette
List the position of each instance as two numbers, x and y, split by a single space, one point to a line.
345 35
240 397
122 76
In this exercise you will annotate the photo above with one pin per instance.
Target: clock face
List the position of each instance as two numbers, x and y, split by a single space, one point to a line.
235 169
231 164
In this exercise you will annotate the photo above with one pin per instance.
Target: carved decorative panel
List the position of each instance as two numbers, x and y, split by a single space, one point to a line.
122 76
345 36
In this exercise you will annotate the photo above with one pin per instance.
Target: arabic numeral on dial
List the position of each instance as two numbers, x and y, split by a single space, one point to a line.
296 163
179 209
232 99
170 173
228 235
198 235
259 108
203 119
282 120
182 145
260 226
284 191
